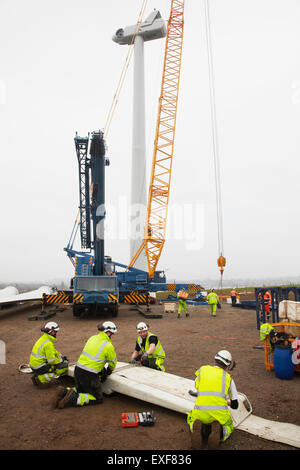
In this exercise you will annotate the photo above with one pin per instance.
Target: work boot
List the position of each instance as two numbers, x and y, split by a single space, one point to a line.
214 437
187 314
178 316
205 432
59 394
197 435
65 397
35 380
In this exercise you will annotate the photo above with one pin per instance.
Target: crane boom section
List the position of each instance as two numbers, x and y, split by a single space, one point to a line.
81 144
159 188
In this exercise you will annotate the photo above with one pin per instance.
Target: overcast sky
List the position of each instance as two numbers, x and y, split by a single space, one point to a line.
59 70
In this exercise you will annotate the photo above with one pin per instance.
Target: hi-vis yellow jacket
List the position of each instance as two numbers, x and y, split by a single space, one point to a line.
44 352
97 351
158 351
265 330
212 384
212 298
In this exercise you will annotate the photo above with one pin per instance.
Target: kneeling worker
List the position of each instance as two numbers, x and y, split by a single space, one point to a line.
148 349
91 370
210 420
45 361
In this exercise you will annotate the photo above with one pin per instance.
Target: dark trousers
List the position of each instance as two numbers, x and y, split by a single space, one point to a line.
87 382
151 363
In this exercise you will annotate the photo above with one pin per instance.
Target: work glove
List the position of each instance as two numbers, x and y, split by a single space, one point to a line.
145 360
103 375
61 365
132 361
193 393
139 357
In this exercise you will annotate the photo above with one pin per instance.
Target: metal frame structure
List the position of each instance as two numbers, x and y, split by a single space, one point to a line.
81 145
277 295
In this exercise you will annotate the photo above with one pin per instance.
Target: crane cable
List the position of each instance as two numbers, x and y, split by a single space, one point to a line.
124 70
221 261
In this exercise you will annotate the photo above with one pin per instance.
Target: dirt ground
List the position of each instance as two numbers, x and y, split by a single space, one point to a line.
29 421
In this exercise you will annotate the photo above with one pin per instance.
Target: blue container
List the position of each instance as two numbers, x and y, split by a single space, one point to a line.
283 365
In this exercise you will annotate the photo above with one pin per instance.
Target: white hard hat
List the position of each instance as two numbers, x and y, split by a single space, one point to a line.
50 326
224 357
142 326
108 326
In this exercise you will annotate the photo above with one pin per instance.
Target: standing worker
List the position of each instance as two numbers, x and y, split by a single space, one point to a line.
213 301
148 349
182 296
259 300
233 295
45 361
265 300
210 421
267 303
91 370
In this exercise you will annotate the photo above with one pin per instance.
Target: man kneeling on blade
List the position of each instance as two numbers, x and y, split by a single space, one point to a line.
210 420
91 370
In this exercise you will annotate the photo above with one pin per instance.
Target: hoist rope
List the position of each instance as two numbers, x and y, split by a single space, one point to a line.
214 128
124 70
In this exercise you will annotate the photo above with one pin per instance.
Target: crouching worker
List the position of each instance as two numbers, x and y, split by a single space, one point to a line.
148 349
45 361
97 360
210 420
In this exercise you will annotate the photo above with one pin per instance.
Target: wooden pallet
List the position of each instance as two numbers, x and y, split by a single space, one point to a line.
170 307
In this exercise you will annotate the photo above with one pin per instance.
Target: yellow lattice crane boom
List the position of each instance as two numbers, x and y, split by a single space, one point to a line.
159 189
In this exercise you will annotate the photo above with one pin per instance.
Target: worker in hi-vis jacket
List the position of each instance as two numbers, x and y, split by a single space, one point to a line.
46 362
182 296
148 349
210 420
233 295
97 361
213 301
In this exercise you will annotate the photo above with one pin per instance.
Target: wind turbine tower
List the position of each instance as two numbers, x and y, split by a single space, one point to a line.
153 27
